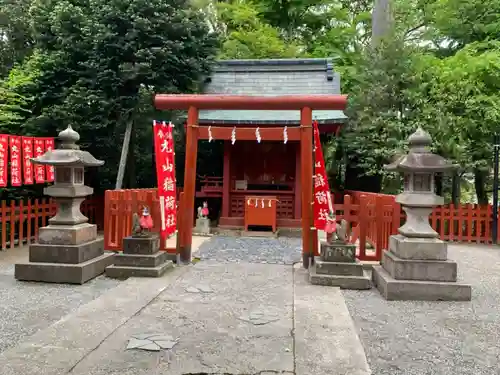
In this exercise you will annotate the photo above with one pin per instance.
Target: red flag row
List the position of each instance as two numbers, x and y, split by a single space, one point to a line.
165 173
21 150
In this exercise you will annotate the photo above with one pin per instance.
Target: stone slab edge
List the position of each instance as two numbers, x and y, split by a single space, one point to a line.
119 272
326 339
100 318
342 281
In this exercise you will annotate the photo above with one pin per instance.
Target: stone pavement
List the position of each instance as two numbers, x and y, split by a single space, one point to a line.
436 338
228 319
27 307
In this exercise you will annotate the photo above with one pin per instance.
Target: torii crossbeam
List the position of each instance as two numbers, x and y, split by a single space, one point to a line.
193 103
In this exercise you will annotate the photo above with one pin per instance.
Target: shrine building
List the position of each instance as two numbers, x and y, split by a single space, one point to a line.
269 169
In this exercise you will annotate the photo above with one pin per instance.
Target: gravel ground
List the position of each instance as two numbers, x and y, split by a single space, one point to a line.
282 250
445 338
26 307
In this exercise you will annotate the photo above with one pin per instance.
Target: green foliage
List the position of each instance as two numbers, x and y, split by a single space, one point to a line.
379 108
465 103
95 64
15 33
100 62
467 21
246 36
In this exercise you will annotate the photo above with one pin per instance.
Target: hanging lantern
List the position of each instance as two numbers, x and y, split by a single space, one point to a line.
285 135
233 136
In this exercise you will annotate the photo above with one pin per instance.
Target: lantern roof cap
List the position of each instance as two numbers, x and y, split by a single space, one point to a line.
68 153
419 157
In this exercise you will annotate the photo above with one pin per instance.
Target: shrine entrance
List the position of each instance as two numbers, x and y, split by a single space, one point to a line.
302 134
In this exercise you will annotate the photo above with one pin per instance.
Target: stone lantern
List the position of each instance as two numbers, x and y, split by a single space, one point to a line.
68 250
416 266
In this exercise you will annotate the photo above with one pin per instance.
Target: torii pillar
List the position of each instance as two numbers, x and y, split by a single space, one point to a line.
193 103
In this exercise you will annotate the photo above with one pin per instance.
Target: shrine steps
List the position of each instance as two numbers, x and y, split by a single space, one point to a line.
260 234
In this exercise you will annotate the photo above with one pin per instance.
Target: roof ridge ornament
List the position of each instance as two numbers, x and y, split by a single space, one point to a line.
419 141
68 138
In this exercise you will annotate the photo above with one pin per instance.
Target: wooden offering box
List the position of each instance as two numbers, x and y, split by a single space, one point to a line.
261 211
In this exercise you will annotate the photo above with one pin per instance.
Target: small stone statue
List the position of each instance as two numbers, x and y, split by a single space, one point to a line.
336 232
136 226
203 211
141 226
341 232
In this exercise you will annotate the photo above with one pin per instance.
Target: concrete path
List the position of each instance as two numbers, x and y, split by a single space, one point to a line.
228 319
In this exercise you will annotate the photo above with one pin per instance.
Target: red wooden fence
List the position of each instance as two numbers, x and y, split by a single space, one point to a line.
465 223
20 220
120 205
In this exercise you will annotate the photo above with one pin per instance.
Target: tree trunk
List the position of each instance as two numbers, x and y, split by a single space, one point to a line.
480 186
455 189
123 157
131 163
381 20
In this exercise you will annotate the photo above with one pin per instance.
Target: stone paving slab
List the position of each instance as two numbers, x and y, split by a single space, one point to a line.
208 311
324 331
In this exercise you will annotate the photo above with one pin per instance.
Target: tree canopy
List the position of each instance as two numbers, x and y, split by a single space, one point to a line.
95 64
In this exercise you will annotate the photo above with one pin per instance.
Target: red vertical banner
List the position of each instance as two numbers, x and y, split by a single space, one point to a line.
27 144
49 146
39 150
322 206
165 173
15 160
4 151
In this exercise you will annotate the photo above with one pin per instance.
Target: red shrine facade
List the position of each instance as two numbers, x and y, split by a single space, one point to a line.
265 175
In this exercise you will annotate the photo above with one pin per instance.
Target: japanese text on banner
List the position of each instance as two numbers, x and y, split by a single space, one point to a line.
165 172
4 144
15 160
39 150
27 143
322 200
49 146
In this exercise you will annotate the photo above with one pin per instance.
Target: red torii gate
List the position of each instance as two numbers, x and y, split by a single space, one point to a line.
193 103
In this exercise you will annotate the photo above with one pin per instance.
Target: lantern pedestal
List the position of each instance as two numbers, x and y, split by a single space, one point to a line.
420 275
140 258
337 266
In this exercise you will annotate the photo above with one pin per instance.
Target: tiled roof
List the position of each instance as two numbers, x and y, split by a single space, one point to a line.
278 77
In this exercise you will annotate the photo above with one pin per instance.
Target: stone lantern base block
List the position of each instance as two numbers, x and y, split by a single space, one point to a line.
423 270
63 272
414 290
418 248
66 253
67 234
140 258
